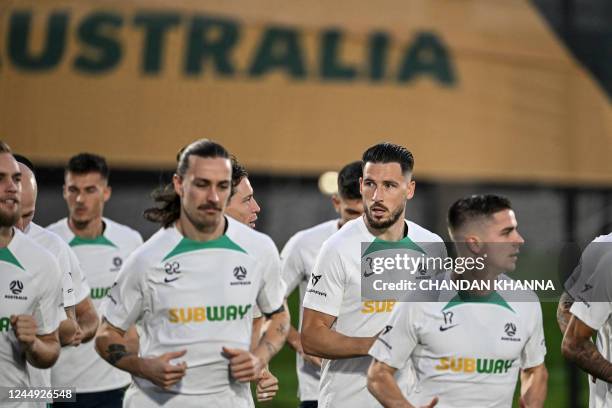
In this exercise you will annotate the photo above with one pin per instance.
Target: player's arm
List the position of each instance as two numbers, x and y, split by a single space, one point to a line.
120 349
41 350
256 334
382 385
578 348
247 365
68 328
295 342
563 311
275 335
534 385
318 339
87 319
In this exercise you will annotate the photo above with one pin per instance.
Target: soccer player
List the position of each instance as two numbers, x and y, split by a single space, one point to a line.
101 246
31 308
298 257
83 319
191 288
336 324
467 347
243 207
589 299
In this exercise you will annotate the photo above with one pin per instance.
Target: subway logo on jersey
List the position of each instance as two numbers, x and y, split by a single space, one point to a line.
207 313
99 293
474 365
375 306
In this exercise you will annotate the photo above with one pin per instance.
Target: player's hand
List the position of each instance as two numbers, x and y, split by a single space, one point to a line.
25 329
267 386
161 372
244 365
432 403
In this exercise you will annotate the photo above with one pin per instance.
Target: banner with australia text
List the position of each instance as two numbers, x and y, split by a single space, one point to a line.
478 90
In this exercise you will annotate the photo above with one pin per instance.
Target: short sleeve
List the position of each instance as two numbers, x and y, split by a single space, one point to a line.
79 282
49 310
292 266
124 304
593 304
326 285
535 348
394 345
272 290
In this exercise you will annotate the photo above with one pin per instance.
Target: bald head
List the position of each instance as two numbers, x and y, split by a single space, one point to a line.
29 192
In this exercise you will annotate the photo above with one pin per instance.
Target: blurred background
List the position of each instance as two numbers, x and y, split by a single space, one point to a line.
497 96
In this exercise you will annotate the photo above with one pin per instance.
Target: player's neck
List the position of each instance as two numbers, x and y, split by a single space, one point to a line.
6 235
395 232
190 231
87 230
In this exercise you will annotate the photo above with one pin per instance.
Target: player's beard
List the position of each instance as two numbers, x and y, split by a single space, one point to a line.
204 223
8 219
385 223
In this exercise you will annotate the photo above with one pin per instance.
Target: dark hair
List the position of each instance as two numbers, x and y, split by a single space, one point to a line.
389 153
348 181
25 161
168 207
84 163
468 208
238 173
5 148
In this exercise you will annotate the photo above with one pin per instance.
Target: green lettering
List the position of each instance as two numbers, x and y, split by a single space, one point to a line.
427 56
98 31
507 365
215 313
499 367
98 293
201 45
53 49
155 26
5 324
484 365
243 310
379 45
331 67
232 312
279 49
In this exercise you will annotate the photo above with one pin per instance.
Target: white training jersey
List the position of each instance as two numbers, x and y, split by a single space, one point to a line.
467 351
30 283
592 293
74 279
100 259
74 285
197 296
335 289
298 260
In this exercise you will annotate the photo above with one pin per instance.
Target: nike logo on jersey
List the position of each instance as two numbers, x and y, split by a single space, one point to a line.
443 328
168 280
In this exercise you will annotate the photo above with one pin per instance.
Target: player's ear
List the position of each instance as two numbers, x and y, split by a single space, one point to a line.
336 202
177 182
108 190
411 188
474 244
361 185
